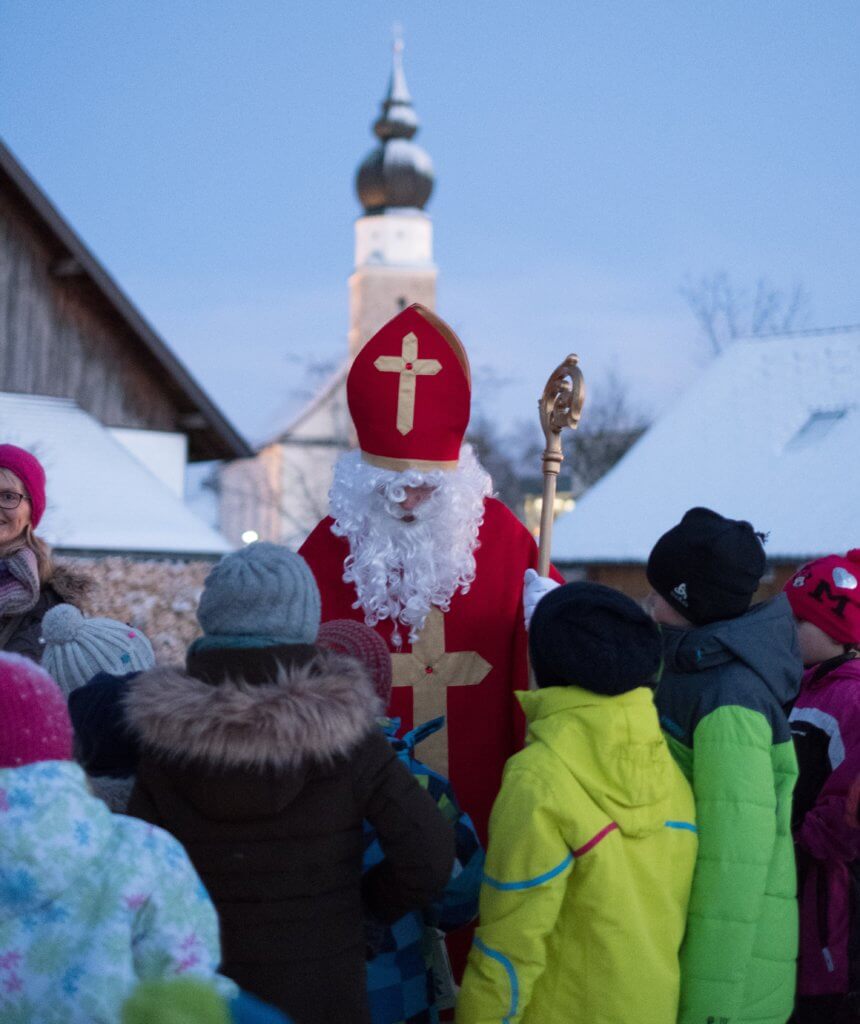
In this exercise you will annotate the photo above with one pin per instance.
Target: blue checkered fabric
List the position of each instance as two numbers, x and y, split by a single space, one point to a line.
399 981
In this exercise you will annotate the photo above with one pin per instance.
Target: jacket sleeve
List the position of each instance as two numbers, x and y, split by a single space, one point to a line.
458 904
25 639
416 840
528 863
735 793
175 930
826 832
520 639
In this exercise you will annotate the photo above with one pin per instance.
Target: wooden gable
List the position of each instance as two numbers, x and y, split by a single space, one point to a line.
68 331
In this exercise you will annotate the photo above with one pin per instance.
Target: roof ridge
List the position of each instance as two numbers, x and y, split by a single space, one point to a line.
336 378
806 332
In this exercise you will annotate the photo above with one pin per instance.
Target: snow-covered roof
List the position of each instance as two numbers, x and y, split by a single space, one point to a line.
767 433
100 497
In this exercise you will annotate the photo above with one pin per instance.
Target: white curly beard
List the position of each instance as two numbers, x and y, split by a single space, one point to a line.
403 563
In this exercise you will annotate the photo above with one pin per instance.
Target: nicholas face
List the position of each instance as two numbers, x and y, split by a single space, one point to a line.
415 497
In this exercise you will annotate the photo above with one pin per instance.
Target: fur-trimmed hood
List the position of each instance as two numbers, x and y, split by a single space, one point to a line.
70 585
312 712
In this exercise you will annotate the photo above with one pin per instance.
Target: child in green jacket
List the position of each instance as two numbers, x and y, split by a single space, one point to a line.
730 670
592 837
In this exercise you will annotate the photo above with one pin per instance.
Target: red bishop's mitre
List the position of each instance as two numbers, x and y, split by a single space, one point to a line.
409 393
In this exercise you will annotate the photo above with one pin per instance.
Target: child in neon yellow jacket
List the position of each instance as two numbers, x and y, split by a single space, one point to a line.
592 838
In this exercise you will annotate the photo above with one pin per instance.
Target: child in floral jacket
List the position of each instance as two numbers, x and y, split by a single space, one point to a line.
90 902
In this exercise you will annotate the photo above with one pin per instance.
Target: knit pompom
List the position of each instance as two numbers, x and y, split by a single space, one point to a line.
61 624
75 648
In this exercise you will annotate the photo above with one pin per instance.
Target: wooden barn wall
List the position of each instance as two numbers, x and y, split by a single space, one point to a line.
58 337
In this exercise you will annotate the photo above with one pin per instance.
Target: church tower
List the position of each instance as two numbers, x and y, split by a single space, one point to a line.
282 492
394 236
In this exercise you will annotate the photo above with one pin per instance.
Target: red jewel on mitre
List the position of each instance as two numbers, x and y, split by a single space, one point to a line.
409 393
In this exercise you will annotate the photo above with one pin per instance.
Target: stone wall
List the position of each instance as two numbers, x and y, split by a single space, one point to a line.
157 596
160 597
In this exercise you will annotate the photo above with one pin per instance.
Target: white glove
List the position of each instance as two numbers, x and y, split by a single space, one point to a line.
534 588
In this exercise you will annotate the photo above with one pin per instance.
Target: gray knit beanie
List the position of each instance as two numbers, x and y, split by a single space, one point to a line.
77 648
263 592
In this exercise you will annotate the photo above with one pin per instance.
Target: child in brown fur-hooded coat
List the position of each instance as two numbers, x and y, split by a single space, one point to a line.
263 760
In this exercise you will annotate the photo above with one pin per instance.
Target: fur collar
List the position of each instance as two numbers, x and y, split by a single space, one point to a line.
313 712
71 586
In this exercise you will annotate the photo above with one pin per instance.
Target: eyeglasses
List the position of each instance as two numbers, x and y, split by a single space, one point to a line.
11 499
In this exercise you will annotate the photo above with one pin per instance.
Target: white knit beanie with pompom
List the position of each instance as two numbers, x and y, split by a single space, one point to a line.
77 648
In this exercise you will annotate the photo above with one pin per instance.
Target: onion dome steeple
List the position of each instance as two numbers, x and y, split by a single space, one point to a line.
398 173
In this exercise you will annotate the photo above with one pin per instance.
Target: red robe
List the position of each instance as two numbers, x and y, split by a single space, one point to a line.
484 725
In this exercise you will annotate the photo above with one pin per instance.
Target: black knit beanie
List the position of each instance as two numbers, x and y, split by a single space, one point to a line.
707 567
588 635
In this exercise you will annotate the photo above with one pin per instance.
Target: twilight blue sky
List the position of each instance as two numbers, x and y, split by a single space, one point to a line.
588 157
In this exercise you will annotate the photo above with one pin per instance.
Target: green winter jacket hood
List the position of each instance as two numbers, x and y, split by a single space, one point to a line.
588 871
762 642
722 701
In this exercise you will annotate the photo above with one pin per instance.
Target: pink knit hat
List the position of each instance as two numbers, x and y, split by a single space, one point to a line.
29 471
346 636
34 719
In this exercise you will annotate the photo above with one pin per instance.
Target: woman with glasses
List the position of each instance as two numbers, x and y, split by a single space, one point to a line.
30 582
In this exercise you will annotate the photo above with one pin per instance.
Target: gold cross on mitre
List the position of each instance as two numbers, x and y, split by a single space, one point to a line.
410 367
429 669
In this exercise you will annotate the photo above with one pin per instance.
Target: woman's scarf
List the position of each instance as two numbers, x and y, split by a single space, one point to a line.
19 583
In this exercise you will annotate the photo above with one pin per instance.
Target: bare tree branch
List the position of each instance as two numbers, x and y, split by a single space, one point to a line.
610 425
725 311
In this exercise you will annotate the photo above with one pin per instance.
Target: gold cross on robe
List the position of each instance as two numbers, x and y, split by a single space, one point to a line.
429 669
410 368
